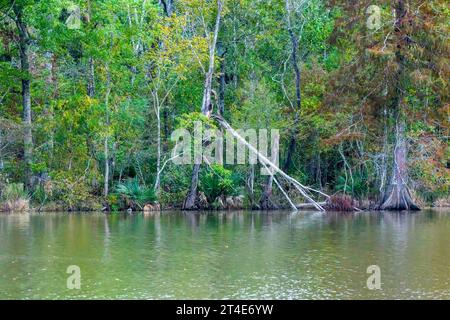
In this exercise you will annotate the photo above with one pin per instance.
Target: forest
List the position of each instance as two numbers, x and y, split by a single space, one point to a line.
92 90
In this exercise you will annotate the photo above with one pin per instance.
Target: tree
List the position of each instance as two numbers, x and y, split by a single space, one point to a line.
309 16
89 94
24 41
207 107
398 196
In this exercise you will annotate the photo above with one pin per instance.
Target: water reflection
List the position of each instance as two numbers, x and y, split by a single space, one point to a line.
236 254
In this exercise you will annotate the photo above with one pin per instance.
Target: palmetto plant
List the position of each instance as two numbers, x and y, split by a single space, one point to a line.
216 182
355 186
134 194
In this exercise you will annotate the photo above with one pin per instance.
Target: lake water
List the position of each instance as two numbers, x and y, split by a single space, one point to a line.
230 255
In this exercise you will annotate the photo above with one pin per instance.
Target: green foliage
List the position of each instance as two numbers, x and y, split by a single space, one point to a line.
431 178
114 202
134 194
14 198
13 192
176 178
217 181
152 67
356 187
70 191
174 183
188 120
40 195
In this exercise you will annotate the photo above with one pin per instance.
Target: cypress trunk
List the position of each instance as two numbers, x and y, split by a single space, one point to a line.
398 196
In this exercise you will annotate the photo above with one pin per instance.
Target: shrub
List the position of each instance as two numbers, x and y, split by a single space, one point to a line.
13 191
134 194
171 199
176 178
14 197
360 185
71 191
39 195
340 203
114 202
217 181
174 183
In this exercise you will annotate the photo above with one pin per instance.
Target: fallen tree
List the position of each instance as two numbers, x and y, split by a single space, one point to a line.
305 191
308 206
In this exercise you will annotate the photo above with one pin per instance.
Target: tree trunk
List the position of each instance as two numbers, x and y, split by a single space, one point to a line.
158 137
167 6
191 198
265 201
1 155
26 98
398 196
290 152
106 141
91 78
55 96
90 88
166 129
384 153
106 182
51 82
190 201
250 186
221 100
303 190
298 100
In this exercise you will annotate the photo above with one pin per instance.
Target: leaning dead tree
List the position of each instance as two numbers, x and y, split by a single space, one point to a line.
207 110
304 191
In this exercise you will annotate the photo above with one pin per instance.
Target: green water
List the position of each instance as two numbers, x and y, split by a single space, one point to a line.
279 255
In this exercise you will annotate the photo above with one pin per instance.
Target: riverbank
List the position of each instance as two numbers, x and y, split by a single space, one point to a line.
222 204
14 198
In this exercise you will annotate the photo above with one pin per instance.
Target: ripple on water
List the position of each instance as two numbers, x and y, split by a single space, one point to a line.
229 255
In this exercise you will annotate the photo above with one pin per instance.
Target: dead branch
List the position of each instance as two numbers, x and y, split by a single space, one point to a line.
303 190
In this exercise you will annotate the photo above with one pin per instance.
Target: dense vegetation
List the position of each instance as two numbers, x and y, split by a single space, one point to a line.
87 106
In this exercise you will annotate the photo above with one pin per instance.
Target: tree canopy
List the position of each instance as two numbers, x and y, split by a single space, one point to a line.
90 92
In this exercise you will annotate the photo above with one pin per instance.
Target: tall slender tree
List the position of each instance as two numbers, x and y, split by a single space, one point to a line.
24 41
207 104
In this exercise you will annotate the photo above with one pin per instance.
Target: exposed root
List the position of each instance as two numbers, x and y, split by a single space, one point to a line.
399 198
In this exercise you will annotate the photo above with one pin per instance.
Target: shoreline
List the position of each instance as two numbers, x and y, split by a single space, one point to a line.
206 210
